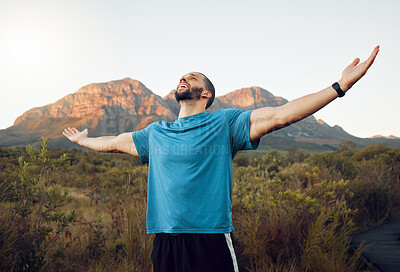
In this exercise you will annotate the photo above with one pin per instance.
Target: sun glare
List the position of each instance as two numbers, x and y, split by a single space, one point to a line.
24 48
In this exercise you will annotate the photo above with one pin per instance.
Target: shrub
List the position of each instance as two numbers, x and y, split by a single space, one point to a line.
35 219
327 245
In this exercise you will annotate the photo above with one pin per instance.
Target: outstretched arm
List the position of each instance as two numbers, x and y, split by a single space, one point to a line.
268 119
122 143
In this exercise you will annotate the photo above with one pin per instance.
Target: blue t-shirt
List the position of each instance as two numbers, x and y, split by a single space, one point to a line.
190 170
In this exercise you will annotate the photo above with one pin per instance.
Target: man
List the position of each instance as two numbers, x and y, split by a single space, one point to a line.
190 167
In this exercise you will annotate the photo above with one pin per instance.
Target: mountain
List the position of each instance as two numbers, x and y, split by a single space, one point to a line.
385 137
105 108
126 105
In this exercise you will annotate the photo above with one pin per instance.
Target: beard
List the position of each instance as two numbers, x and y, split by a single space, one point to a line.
188 94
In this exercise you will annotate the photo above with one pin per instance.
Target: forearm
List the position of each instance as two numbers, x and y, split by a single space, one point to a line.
101 144
122 143
267 119
303 107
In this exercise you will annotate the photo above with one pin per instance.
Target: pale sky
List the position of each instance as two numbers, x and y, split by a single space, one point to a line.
49 49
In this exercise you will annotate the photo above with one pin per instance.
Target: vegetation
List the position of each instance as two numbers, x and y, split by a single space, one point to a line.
74 210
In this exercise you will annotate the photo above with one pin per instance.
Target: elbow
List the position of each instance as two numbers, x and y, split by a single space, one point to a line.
284 118
283 121
112 146
278 122
265 122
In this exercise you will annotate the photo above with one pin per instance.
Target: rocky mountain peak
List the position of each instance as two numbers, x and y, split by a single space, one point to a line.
126 96
251 98
118 106
124 86
322 122
392 137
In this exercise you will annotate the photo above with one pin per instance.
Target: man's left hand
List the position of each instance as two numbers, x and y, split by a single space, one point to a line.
354 72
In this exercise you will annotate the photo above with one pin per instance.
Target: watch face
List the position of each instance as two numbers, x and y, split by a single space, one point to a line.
337 88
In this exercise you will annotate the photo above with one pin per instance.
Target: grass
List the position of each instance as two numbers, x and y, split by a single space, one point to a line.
291 212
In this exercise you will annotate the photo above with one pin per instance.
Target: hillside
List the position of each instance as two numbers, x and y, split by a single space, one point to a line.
126 105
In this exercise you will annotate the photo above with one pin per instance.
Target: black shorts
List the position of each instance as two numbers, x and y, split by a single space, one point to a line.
194 252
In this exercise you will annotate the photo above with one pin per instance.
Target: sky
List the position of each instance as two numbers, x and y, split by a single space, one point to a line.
49 49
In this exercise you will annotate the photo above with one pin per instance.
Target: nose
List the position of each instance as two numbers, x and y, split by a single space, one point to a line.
182 80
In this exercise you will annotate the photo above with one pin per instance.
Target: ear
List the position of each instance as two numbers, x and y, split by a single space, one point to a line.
206 94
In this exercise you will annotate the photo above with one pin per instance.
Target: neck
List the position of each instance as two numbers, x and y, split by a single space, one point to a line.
190 107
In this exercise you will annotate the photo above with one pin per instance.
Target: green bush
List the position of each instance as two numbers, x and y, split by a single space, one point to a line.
293 211
35 219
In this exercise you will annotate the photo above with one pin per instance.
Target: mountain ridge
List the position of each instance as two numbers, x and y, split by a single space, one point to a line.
118 106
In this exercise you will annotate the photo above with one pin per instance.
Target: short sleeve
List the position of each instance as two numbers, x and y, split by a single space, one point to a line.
141 140
239 123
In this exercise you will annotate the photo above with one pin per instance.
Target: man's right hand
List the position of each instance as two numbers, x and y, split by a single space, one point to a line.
75 135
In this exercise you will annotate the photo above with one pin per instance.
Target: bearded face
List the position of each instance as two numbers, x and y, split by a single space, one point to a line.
188 94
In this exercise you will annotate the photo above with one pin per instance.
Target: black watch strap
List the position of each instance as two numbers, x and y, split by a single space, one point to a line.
337 88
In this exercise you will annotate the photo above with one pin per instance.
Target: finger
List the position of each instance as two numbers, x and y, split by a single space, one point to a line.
75 130
355 62
66 132
374 52
372 57
71 130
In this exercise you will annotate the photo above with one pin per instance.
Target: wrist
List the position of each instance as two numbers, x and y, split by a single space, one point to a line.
345 87
82 137
81 141
338 89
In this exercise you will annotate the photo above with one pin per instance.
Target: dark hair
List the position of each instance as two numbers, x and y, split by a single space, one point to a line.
209 87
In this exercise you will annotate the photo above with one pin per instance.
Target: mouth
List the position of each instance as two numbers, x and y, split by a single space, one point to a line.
183 85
